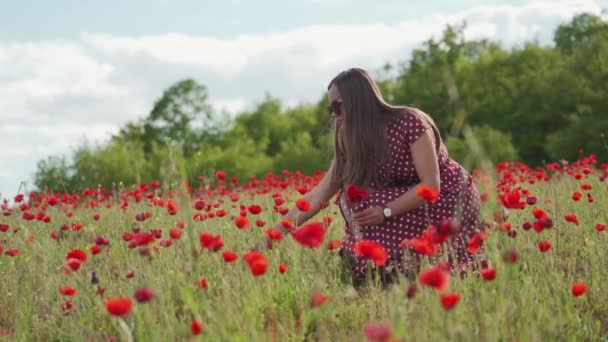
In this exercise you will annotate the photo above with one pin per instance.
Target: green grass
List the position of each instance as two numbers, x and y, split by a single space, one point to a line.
530 300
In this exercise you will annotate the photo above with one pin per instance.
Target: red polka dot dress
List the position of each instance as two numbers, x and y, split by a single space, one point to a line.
458 199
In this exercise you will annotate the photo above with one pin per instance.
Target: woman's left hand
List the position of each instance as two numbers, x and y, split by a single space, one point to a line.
368 217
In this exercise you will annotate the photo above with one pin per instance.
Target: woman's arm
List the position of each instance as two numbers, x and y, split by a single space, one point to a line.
321 193
427 168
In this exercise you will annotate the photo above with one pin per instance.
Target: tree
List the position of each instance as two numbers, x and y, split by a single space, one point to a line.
53 173
181 115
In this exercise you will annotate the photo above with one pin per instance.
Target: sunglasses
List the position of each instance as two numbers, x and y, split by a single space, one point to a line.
335 107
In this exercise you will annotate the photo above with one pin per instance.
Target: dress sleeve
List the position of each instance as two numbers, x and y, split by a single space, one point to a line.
412 128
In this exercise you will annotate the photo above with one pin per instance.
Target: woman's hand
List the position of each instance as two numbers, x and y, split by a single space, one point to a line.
368 217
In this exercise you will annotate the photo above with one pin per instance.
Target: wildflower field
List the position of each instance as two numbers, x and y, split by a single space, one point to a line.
149 263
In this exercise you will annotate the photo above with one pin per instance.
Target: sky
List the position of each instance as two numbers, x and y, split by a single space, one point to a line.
74 71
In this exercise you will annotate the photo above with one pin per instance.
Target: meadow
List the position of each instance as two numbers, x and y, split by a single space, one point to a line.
150 263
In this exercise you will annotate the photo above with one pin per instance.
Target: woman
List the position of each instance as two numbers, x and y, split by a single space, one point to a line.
390 151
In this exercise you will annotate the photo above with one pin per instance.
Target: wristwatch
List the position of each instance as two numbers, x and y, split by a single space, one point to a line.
387 213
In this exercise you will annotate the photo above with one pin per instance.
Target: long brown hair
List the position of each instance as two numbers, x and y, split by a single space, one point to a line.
360 144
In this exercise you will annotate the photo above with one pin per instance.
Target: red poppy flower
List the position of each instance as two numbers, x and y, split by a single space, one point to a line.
101 240
274 234
254 209
578 289
600 227
544 245
475 242
202 282
220 174
310 235
427 193
119 306
287 224
212 242
242 222
423 245
355 195
77 254
488 273
175 233
539 213
143 295
195 327
373 250
411 291
576 196
570 217
199 205
282 268
67 291
229 256
317 299
449 300
303 204
258 263
95 249
437 277
74 264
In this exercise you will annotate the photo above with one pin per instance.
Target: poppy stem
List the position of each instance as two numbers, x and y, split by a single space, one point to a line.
126 329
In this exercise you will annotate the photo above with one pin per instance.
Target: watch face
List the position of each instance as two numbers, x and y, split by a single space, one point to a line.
387 212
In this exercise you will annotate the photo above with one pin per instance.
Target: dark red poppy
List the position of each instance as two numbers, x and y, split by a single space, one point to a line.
143 295
544 245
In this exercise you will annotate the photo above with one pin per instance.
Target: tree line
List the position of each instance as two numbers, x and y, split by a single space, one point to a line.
529 103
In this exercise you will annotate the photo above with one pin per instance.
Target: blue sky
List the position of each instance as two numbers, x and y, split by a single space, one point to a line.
75 71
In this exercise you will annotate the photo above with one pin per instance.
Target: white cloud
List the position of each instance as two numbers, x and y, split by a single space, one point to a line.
55 92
